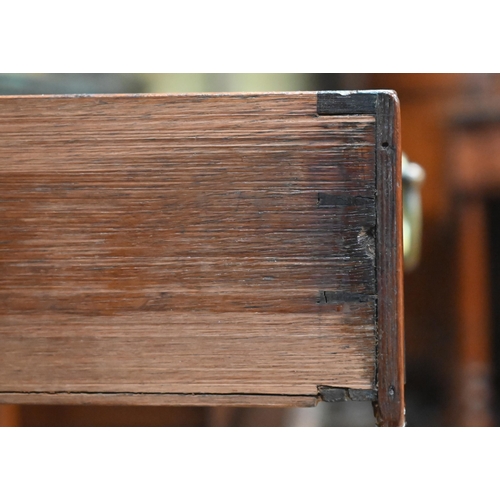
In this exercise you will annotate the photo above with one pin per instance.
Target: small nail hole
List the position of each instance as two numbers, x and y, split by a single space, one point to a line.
385 144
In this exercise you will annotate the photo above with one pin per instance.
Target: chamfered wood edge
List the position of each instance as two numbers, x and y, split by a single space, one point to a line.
162 95
159 399
389 406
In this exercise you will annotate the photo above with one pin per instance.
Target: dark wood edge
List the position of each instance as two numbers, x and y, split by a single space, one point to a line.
388 396
390 405
159 399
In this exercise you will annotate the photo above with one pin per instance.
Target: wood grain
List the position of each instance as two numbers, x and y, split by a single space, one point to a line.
154 247
390 404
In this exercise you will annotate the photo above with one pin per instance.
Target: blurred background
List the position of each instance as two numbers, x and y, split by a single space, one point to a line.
451 127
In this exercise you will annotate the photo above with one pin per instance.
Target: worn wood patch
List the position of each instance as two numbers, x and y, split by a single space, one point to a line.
340 394
192 244
347 103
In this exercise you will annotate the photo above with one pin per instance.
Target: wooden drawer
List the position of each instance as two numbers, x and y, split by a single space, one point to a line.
201 249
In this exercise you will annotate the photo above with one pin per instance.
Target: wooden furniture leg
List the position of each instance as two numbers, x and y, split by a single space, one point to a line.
474 313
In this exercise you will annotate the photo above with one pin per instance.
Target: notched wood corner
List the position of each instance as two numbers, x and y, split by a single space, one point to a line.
339 394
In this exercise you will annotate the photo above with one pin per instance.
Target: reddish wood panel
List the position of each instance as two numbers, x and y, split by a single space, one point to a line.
9 415
170 245
83 415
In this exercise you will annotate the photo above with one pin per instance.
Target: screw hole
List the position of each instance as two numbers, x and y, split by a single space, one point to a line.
385 144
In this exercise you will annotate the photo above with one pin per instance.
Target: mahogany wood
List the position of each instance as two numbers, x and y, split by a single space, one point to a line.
200 249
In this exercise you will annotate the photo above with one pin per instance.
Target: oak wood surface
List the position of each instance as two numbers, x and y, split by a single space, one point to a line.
217 246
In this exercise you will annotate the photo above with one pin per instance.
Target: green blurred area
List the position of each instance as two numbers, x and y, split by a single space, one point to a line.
73 83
